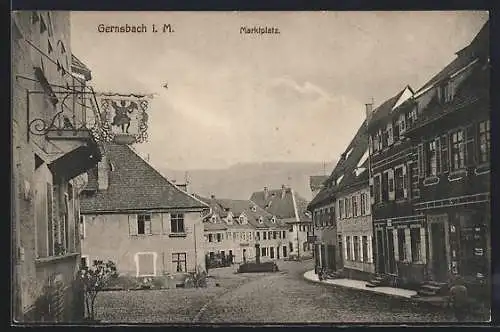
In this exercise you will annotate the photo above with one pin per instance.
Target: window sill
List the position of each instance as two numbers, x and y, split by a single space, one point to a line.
430 181
55 259
457 175
482 169
179 235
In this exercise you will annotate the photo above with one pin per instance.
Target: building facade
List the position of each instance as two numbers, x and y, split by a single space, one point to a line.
135 217
399 230
53 146
290 209
452 146
244 230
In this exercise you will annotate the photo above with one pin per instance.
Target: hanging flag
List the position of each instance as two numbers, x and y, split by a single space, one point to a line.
124 117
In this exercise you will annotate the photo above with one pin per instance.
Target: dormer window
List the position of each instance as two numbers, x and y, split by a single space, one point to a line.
445 92
254 208
214 218
34 17
390 137
261 220
273 220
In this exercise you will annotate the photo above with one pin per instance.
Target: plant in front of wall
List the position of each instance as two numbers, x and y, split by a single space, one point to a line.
94 279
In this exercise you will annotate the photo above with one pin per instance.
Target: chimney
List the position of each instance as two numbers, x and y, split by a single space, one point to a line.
102 174
266 193
369 110
283 191
182 187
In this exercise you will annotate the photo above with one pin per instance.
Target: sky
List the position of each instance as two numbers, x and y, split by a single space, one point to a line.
294 96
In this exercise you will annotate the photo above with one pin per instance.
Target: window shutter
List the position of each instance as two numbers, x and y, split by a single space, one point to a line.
156 223
423 245
368 206
438 156
396 247
132 224
405 182
421 161
469 146
166 223
147 225
390 183
372 191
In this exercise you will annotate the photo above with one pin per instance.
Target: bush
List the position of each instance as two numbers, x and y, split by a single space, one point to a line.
258 267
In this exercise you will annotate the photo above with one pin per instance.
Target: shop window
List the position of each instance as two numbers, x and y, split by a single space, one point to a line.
484 141
402 245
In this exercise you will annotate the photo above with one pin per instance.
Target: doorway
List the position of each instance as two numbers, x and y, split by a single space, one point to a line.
331 257
380 254
278 252
439 260
391 260
284 251
341 256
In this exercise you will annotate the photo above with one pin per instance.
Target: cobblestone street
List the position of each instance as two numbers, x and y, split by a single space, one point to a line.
283 297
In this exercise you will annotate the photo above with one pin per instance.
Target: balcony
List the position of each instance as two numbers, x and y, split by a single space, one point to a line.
68 118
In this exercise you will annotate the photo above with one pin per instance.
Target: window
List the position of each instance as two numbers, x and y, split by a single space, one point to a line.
364 241
258 236
341 208
402 123
390 137
399 182
210 238
421 161
416 254
264 251
402 244
375 140
390 184
377 188
348 248
261 220
290 245
445 92
265 235
356 248
284 234
219 237
457 150
384 135
144 224
275 236
445 159
363 203
348 207
82 227
84 261
431 165
385 186
355 206
484 141
214 218
412 118
179 261
177 223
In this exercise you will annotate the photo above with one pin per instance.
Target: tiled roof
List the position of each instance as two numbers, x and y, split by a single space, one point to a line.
80 68
135 185
345 168
282 207
479 45
222 206
316 181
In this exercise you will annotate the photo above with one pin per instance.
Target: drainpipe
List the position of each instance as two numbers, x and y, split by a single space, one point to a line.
298 243
16 245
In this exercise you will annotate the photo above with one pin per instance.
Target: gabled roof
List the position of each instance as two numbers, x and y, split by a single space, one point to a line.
382 111
345 168
477 47
316 181
134 185
290 207
79 67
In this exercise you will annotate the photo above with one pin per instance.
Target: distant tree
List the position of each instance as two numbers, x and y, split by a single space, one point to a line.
94 279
